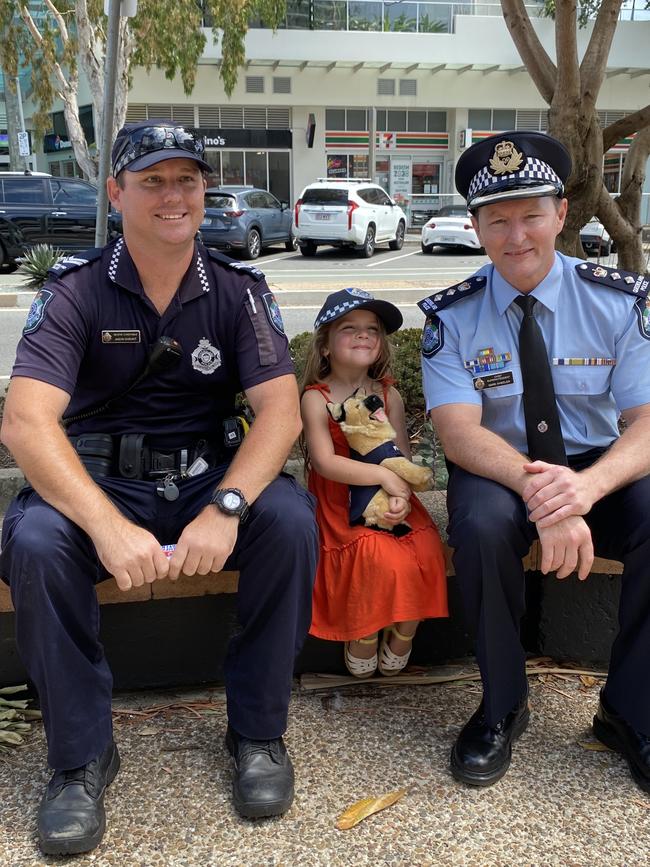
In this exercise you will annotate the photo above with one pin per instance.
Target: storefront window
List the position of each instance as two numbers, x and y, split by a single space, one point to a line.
335 118
337 166
251 165
256 169
279 175
232 167
425 177
358 165
396 121
356 118
417 121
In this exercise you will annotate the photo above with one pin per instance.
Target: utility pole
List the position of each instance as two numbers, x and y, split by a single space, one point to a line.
372 140
14 126
114 9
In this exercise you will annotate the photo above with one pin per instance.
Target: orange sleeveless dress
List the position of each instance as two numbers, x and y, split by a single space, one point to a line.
366 578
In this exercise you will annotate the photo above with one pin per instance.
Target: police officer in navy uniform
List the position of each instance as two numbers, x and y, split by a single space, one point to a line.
595 326
121 412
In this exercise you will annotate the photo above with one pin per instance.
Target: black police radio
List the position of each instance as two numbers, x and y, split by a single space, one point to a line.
165 355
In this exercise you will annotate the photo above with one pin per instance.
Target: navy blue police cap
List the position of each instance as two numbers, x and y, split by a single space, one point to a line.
512 165
143 144
346 300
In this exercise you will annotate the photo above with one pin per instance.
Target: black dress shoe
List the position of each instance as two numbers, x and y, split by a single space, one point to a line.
615 733
71 817
482 753
263 781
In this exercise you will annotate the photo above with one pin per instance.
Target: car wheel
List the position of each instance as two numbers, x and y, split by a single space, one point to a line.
398 243
253 246
308 248
291 244
369 244
3 257
427 248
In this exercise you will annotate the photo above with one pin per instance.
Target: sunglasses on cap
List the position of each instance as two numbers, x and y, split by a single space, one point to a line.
149 139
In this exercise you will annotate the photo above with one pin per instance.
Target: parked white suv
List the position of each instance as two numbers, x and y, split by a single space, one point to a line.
347 212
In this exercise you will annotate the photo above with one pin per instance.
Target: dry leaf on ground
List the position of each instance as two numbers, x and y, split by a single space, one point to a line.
588 680
366 807
595 746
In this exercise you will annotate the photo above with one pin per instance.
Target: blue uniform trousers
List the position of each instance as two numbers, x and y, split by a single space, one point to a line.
490 533
51 567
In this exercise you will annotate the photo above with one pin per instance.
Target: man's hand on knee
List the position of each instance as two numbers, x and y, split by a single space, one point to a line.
567 547
555 492
205 544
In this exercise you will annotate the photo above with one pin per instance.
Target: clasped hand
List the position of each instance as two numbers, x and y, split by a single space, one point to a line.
133 556
557 497
555 492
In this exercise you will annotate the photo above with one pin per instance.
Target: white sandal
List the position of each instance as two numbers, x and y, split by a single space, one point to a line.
390 663
355 665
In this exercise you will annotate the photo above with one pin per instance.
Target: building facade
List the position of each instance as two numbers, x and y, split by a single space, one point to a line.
366 88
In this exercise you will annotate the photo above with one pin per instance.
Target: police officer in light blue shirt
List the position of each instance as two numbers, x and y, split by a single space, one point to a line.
595 323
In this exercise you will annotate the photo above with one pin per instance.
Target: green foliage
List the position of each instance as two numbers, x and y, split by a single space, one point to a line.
167 36
36 262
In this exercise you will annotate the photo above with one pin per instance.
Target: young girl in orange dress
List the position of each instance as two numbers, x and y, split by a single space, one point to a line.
368 580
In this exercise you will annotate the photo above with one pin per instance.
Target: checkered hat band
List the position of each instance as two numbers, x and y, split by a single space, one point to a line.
338 310
535 170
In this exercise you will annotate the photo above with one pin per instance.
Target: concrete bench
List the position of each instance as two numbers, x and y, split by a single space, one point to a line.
180 635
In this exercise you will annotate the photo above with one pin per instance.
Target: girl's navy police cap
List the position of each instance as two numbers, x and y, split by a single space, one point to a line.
512 165
346 300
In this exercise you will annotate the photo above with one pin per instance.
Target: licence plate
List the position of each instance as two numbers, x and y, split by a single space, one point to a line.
448 239
322 216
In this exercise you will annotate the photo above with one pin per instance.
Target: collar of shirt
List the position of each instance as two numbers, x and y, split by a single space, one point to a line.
122 270
546 292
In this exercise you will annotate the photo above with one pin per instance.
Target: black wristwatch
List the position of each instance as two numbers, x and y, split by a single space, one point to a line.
232 502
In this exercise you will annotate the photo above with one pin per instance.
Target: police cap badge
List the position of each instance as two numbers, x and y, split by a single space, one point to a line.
512 165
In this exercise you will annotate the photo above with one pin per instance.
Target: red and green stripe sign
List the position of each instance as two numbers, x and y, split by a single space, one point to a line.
400 140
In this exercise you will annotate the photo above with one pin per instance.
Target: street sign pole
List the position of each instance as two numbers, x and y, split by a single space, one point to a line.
23 149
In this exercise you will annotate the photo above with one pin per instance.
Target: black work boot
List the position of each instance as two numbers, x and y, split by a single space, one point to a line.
613 731
263 780
482 753
71 816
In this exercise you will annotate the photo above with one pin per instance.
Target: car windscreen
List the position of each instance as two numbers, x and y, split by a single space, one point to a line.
220 201
325 196
452 211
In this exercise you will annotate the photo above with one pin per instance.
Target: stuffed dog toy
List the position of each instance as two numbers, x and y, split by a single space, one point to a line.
371 436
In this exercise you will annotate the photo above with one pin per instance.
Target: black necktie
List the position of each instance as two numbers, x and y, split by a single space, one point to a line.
543 430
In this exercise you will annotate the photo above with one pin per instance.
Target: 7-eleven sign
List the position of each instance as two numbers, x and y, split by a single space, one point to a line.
387 141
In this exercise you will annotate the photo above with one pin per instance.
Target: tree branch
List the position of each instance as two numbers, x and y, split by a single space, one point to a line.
539 65
60 20
66 82
624 127
594 62
566 48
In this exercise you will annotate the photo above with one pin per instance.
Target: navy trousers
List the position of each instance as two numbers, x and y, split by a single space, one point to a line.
490 533
52 568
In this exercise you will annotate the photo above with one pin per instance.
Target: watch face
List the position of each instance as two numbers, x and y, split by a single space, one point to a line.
231 500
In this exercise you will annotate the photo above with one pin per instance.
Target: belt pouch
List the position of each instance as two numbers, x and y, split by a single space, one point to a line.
95 451
131 456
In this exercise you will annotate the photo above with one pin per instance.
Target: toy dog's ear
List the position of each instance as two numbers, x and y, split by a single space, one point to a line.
360 393
337 411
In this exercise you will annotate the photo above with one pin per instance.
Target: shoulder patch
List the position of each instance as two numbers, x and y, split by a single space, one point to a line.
71 263
433 336
273 312
642 307
442 299
241 267
36 313
627 281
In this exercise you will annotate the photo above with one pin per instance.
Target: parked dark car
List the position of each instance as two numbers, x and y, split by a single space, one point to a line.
244 220
37 208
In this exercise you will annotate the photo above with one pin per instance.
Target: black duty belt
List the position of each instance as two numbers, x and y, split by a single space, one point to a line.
135 456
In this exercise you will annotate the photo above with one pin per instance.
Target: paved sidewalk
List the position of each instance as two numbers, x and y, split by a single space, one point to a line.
560 803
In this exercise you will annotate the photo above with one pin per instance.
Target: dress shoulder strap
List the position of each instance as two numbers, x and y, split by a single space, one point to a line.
319 386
